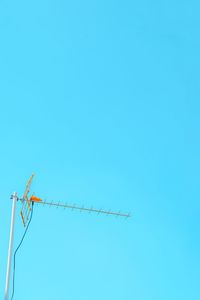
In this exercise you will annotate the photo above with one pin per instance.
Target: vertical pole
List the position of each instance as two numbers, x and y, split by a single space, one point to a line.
14 198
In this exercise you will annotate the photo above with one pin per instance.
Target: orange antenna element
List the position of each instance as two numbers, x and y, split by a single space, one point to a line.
35 199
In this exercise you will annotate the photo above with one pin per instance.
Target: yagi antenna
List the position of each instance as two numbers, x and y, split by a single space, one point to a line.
27 205
26 211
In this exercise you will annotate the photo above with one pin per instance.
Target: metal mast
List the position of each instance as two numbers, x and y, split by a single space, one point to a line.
12 225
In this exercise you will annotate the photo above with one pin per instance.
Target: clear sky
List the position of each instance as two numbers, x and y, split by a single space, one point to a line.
101 100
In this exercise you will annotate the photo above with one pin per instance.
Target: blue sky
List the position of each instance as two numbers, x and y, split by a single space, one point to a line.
101 100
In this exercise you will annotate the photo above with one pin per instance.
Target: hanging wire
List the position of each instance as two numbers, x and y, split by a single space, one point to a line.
13 291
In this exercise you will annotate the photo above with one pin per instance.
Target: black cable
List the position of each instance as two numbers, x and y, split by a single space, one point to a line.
13 291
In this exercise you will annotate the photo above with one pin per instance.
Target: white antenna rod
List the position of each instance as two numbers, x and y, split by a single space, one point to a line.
12 224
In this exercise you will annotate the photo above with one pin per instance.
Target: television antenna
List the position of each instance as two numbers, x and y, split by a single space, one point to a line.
26 212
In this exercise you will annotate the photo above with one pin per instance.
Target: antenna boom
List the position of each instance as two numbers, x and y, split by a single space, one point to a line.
99 211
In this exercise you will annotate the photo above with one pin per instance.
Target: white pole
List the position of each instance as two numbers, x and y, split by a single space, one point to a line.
14 198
